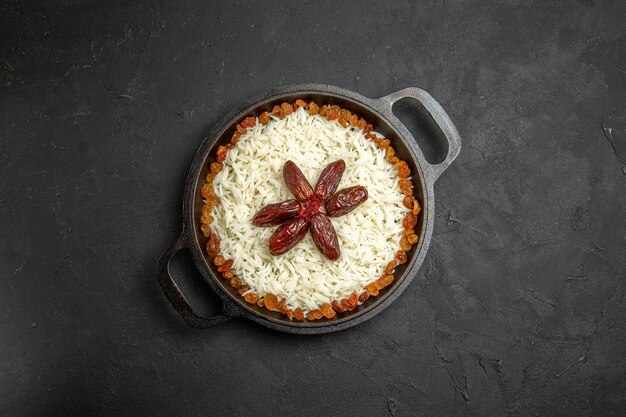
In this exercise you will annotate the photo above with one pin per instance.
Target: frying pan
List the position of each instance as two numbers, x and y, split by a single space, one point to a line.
376 111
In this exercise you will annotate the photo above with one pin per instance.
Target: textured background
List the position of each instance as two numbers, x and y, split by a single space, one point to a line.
518 309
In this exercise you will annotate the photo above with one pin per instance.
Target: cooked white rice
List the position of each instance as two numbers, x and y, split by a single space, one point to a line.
252 178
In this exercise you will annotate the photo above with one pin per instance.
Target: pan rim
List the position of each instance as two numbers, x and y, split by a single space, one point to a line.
191 235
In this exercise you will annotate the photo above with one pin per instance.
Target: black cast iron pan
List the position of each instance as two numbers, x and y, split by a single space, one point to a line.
376 111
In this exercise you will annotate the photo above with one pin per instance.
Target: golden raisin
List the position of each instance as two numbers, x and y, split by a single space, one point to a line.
416 207
213 200
235 138
364 296
324 111
405 186
327 311
271 302
298 314
206 229
242 289
338 307
345 113
343 122
213 246
278 112
408 202
210 177
384 143
314 315
379 285
389 151
207 190
372 289
334 112
251 298
409 221
401 257
228 275
353 300
221 154
206 209
249 121
362 124
391 266
313 109
385 281
404 244
289 313
377 140
283 309
370 136
216 167
412 238
300 103
369 128
287 109
261 302
264 118
392 159
219 260
226 266
206 219
235 282
354 120
403 169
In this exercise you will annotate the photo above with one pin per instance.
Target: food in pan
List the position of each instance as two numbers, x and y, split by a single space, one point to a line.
259 205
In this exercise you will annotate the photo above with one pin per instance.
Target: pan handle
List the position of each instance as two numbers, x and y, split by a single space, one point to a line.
176 297
440 117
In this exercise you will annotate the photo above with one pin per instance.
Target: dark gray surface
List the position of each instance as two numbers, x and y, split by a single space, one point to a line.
518 310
